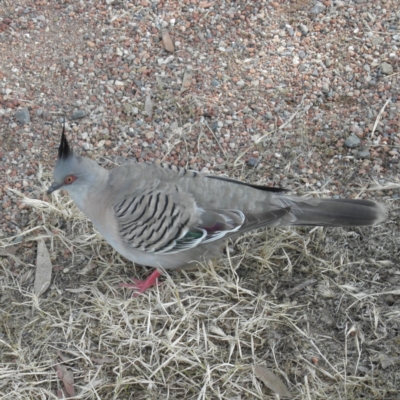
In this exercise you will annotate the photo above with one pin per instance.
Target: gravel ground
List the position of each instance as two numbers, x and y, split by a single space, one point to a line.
298 94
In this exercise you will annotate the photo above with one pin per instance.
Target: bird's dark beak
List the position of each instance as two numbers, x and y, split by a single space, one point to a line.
54 186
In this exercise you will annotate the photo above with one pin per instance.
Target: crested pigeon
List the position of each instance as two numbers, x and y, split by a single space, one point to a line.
168 217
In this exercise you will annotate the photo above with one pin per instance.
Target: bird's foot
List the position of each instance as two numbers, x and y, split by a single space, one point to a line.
140 286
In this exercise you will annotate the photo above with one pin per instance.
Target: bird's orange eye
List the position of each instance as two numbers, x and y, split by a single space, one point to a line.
69 179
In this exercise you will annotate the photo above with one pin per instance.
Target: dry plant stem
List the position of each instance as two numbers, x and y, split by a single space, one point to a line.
262 138
216 139
378 118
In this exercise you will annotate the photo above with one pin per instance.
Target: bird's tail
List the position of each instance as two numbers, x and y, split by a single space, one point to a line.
332 212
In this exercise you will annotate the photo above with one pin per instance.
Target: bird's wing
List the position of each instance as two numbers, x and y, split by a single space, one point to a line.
161 218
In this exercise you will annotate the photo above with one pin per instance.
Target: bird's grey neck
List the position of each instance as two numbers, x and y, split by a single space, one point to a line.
89 197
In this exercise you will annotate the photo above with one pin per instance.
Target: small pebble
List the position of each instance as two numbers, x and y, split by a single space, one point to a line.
78 114
386 68
363 154
352 142
318 8
23 116
252 162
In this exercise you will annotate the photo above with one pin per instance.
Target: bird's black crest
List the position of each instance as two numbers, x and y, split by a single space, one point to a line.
64 151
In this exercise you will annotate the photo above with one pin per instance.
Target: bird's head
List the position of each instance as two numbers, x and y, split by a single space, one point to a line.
71 172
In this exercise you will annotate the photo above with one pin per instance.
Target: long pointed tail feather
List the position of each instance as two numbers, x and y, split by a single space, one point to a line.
334 212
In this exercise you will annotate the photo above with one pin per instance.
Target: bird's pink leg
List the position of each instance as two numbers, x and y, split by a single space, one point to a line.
141 286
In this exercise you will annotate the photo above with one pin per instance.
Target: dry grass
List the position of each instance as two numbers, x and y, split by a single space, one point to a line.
319 307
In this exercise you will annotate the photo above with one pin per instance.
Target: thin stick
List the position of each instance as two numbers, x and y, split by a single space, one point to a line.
378 118
259 140
216 139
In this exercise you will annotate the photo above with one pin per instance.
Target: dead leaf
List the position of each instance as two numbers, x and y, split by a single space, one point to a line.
62 356
187 79
101 361
218 331
206 4
26 276
67 378
387 361
271 380
168 45
7 251
43 269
